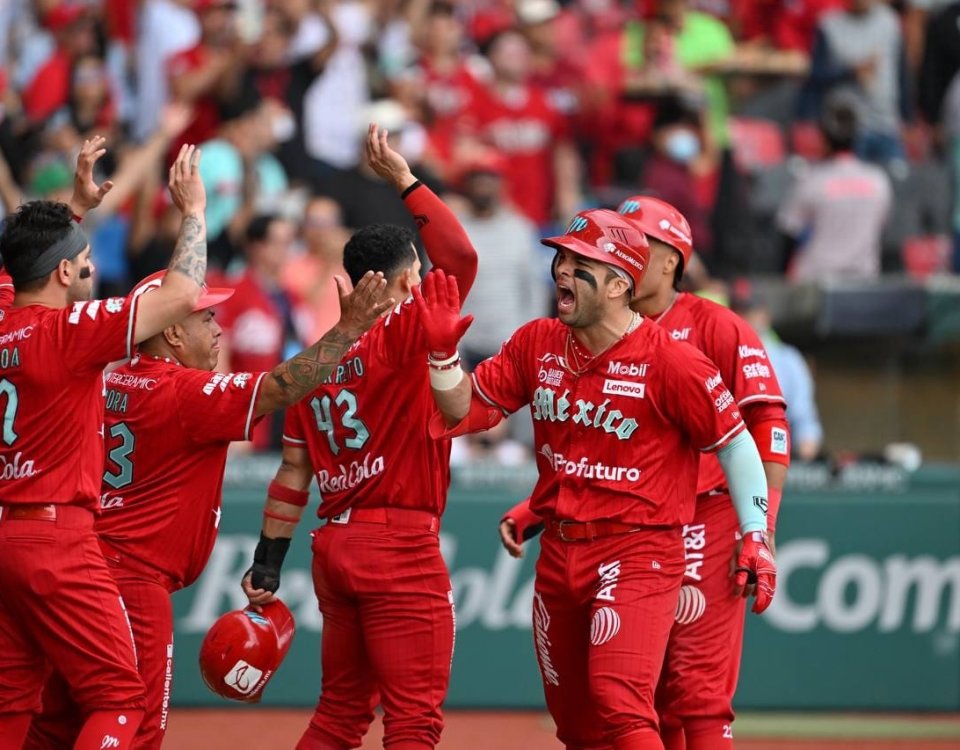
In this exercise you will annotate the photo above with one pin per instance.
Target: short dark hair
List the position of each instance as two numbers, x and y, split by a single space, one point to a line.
386 248
34 227
259 227
838 123
243 103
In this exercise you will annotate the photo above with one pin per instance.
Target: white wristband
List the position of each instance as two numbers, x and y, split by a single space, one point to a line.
446 380
443 362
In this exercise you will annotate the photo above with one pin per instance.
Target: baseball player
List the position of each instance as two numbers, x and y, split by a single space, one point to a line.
621 413
169 422
383 588
703 655
60 604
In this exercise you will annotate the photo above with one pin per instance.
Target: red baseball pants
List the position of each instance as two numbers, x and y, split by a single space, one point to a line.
602 614
388 627
695 696
60 606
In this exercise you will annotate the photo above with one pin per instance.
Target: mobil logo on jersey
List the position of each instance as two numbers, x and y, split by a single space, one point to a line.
627 388
548 405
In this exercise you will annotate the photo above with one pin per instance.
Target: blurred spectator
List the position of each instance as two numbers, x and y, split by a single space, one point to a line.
793 374
207 74
74 30
263 323
917 14
555 68
509 290
442 85
90 108
274 76
781 24
310 276
860 50
238 171
515 117
677 159
181 31
837 210
364 197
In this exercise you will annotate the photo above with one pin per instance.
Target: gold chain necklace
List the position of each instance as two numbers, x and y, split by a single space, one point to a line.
571 347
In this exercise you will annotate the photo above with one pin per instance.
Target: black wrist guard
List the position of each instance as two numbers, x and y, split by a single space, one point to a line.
267 561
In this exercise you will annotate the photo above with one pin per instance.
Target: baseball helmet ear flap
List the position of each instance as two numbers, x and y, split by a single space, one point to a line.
243 649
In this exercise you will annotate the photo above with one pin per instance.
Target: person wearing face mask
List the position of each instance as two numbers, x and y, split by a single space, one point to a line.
676 165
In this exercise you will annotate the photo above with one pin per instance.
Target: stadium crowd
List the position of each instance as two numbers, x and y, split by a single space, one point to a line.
807 139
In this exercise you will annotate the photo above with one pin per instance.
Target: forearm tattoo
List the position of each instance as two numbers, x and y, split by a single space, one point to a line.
301 374
190 254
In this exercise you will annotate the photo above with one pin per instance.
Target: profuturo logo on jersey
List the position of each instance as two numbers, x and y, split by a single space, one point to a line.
243 677
604 626
691 605
350 476
588 469
17 467
541 624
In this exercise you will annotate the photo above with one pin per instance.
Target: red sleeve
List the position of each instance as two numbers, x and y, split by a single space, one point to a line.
293 432
217 407
768 424
49 90
528 524
90 335
696 398
501 381
742 358
447 244
182 62
6 290
481 417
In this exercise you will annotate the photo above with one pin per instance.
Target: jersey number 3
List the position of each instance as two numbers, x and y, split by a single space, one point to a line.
120 455
324 415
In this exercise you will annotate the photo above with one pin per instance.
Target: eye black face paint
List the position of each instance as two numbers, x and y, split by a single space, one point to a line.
84 272
586 276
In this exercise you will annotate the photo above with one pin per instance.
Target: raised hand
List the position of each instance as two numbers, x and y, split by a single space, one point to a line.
386 162
756 565
438 299
87 194
362 307
186 187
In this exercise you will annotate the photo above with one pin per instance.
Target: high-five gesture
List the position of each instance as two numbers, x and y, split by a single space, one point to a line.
439 303
755 565
186 186
362 307
87 194
386 162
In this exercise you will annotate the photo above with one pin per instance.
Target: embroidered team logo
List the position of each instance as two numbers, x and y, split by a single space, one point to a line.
604 626
629 207
691 605
578 224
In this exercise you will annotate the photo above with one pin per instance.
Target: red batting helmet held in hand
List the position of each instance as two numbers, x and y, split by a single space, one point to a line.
660 220
605 236
243 649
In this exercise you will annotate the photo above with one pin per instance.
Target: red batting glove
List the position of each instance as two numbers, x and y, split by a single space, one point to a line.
756 565
438 300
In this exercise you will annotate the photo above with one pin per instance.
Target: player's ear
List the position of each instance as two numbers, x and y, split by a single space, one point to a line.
64 272
670 264
173 335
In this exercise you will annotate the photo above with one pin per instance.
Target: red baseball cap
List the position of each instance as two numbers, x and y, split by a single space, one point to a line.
660 220
606 236
209 297
63 15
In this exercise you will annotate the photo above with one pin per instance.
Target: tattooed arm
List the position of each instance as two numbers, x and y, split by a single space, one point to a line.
181 287
290 381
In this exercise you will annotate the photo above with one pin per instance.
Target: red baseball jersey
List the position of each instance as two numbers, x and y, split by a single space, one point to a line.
51 393
167 431
6 290
447 94
734 347
367 428
623 439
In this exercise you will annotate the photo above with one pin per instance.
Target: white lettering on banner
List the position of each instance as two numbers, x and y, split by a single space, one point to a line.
680 334
751 351
20 334
629 369
547 406
756 370
694 543
609 578
856 592
624 388
350 476
14 469
587 469
137 382
541 624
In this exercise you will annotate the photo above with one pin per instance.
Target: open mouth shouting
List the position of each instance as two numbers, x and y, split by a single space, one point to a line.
566 297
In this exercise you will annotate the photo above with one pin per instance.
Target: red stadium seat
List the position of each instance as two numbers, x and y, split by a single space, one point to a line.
923 256
757 144
807 141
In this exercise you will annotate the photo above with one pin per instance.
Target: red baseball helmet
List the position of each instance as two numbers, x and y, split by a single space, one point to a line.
660 220
604 235
209 297
244 648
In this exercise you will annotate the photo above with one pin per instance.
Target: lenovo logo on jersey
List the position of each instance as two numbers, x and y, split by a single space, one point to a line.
243 678
624 388
751 351
680 334
629 369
